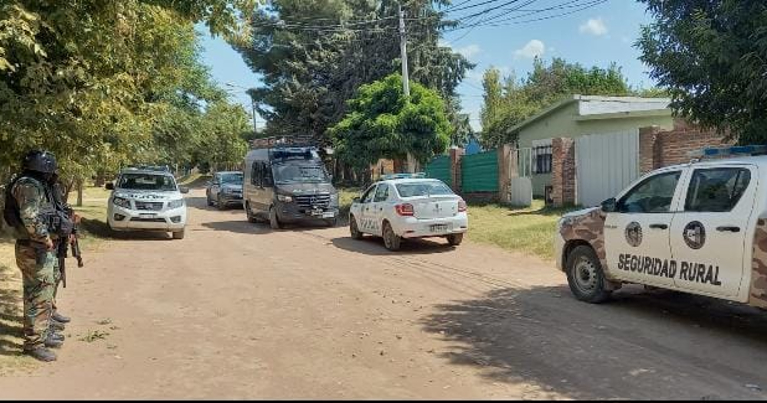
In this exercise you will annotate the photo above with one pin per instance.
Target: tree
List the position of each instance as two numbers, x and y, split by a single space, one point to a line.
314 55
382 122
711 57
221 144
102 83
508 102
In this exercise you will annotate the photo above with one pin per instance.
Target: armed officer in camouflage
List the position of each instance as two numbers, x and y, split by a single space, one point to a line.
30 208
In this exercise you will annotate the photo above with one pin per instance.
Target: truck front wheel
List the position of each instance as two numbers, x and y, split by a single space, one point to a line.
585 275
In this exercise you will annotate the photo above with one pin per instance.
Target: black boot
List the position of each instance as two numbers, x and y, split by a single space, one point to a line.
56 325
57 336
52 342
41 353
60 318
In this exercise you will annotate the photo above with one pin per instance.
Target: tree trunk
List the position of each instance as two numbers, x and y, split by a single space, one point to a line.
79 193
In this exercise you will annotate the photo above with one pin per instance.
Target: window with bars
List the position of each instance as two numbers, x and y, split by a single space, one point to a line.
541 157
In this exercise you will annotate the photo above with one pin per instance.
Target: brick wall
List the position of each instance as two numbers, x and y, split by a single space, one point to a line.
455 167
563 171
659 148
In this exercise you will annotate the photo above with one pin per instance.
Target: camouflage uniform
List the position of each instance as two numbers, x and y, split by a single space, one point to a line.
36 263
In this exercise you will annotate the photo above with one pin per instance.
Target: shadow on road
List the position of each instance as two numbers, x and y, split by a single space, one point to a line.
11 330
375 246
657 344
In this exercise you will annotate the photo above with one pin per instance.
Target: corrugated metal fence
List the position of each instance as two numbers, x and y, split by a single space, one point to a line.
479 172
439 168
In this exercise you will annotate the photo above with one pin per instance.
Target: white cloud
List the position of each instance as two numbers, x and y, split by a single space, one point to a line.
469 51
533 49
594 26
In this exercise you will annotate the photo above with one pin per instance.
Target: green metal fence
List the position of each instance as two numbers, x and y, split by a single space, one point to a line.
439 168
479 172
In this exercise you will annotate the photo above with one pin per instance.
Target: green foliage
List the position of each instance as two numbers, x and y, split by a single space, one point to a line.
710 55
103 83
321 55
383 123
508 102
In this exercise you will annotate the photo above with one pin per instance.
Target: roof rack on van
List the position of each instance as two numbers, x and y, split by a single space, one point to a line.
416 175
275 142
728 151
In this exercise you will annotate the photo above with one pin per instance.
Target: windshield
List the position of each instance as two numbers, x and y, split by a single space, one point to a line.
292 172
425 188
164 183
232 178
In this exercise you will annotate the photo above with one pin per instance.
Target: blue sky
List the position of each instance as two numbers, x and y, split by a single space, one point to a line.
596 36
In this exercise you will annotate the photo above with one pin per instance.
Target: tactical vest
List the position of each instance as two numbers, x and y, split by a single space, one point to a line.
12 213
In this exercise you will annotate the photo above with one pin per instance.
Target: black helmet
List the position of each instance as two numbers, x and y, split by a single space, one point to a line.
39 161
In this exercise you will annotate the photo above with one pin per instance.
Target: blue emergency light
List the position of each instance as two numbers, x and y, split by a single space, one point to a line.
404 176
726 151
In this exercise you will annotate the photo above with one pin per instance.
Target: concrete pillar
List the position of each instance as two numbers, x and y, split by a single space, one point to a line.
455 168
563 171
504 175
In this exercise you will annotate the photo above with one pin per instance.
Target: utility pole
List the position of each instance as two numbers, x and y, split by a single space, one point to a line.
405 74
403 51
255 125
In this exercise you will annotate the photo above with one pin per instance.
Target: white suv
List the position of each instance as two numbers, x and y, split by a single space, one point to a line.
699 228
147 200
406 206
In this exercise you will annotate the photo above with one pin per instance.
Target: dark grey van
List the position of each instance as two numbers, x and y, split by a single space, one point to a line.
288 184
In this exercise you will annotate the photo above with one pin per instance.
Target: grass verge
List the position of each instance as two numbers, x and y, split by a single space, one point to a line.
527 230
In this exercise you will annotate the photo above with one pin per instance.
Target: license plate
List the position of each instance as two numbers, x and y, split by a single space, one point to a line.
328 214
147 215
438 228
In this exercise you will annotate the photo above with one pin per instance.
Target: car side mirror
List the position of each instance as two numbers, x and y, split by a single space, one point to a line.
110 186
610 205
183 189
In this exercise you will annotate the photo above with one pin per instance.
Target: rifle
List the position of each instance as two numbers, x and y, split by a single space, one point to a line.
64 246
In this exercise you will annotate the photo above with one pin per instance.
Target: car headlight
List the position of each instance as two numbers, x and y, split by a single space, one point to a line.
176 203
121 202
284 198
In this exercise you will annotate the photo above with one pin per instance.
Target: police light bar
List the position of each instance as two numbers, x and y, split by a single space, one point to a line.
726 151
404 176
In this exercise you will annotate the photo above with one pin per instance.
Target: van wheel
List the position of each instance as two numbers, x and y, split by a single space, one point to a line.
249 214
210 202
221 206
179 234
274 221
353 229
585 275
392 241
455 239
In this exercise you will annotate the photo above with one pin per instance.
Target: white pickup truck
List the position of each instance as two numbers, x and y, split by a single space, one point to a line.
699 228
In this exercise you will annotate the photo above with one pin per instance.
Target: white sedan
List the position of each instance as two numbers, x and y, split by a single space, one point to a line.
400 208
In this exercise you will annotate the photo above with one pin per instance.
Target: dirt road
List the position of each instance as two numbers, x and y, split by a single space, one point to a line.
236 310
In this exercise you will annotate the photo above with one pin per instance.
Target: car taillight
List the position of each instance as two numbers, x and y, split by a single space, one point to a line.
462 206
405 209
